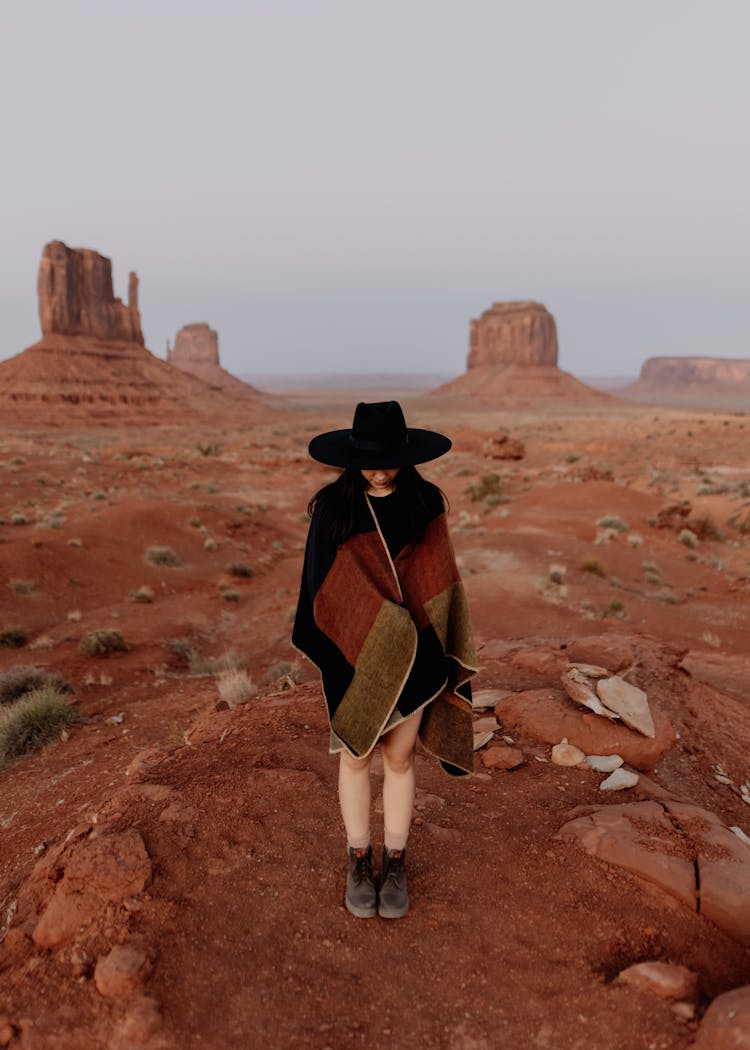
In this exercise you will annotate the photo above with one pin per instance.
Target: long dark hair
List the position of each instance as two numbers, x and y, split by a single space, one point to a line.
338 505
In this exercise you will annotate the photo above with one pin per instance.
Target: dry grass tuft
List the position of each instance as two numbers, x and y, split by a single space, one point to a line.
235 687
163 556
34 720
594 566
22 679
103 642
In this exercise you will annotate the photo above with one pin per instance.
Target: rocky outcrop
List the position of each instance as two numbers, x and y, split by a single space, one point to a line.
691 379
515 333
91 364
196 350
76 296
513 358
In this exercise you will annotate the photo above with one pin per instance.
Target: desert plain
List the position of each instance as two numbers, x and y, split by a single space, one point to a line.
172 864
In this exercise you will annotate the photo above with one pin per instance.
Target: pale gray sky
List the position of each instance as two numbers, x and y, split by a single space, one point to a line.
342 185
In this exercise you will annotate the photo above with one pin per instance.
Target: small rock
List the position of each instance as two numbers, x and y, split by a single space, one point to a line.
726 1024
480 739
685 1011
8 1032
486 724
502 757
604 763
484 698
666 980
122 972
741 835
142 1020
630 703
592 670
621 778
578 687
565 754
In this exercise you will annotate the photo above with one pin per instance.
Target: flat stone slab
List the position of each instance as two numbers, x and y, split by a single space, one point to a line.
666 849
547 715
630 703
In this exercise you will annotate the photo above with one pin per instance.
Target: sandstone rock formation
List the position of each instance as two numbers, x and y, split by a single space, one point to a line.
196 350
76 296
91 364
691 379
515 333
513 358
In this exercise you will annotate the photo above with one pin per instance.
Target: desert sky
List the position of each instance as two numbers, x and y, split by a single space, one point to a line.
341 186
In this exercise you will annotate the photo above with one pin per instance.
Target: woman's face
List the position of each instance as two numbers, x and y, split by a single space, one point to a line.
380 482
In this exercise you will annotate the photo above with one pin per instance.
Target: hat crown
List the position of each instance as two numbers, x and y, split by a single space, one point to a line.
379 426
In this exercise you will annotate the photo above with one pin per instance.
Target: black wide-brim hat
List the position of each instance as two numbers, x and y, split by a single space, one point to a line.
379 439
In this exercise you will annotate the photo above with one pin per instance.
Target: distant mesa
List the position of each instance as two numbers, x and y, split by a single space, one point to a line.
513 358
691 378
196 350
91 364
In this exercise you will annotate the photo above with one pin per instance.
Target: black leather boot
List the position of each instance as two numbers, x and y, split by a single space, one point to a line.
361 898
394 900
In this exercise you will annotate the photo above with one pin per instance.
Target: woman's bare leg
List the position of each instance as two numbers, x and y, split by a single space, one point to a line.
399 781
354 798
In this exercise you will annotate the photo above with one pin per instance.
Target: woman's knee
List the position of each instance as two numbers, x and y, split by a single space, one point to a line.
399 759
355 765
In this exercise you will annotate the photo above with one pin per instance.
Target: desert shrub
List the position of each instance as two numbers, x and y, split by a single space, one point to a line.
615 608
239 568
208 448
653 578
42 642
740 522
142 594
488 489
34 720
19 518
572 457
594 566
12 638
74 542
635 539
612 521
22 679
210 543
195 523
688 538
229 594
103 642
705 528
163 556
665 595
556 573
21 586
235 687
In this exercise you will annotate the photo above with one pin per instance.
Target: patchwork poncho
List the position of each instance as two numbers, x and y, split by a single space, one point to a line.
390 635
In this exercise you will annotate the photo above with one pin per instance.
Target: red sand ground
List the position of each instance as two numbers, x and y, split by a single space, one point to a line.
514 938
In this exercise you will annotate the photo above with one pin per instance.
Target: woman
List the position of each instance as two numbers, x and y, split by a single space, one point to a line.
382 613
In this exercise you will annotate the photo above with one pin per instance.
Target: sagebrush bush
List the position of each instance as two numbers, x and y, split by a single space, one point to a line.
488 489
22 679
239 568
21 586
142 594
613 521
163 556
103 642
594 566
35 719
688 538
12 638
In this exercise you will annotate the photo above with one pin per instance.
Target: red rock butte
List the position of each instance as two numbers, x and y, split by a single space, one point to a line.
691 377
91 364
513 358
196 351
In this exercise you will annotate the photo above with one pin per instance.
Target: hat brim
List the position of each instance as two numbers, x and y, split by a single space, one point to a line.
335 449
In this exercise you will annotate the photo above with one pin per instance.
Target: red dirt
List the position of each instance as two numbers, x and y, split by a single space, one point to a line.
513 937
